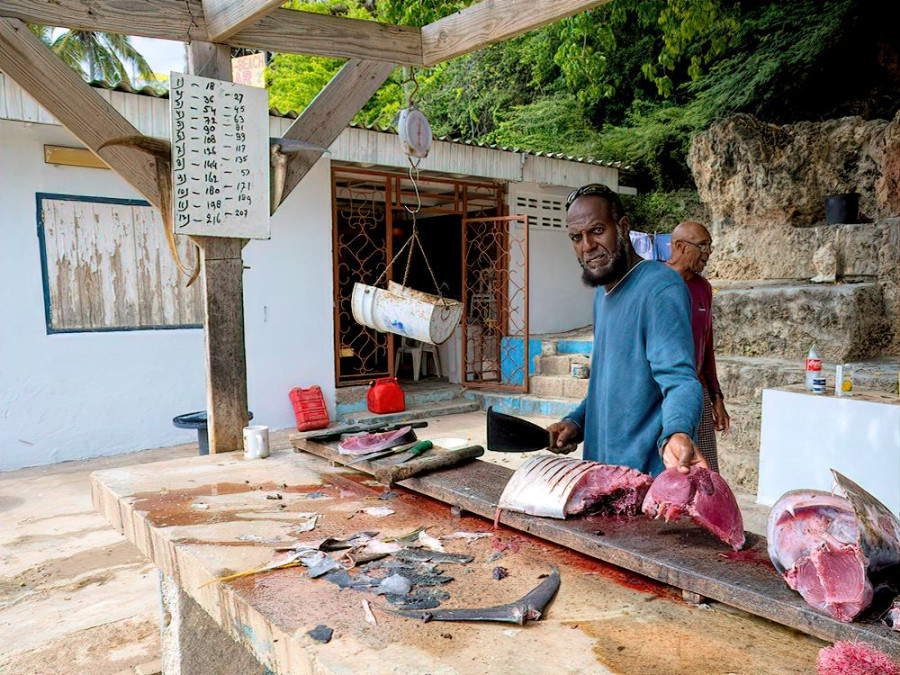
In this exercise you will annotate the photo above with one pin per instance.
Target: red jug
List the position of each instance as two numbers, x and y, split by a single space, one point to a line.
386 396
309 408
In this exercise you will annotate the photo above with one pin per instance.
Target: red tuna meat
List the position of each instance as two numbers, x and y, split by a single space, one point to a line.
816 544
610 490
701 495
556 487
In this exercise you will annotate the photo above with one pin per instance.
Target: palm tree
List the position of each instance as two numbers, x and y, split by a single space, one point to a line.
105 55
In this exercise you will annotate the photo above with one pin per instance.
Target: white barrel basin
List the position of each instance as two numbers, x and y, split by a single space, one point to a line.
404 311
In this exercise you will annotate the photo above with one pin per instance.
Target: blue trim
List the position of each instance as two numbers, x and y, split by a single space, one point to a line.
45 276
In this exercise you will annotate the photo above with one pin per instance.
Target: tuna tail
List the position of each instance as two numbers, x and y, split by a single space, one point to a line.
528 608
162 151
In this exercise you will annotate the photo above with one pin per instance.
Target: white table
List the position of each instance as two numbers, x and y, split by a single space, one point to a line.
804 435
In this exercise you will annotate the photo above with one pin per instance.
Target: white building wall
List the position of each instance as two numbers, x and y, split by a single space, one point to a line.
557 298
77 395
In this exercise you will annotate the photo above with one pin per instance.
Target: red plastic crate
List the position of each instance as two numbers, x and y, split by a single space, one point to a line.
309 408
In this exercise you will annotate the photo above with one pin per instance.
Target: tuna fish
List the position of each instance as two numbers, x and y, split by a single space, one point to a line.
701 495
828 548
556 487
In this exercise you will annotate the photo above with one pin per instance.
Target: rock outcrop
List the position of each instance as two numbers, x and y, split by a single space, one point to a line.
765 187
763 175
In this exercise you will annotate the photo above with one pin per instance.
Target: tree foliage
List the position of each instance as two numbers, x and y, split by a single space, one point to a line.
96 55
632 80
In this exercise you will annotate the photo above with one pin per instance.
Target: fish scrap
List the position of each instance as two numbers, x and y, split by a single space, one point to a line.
530 607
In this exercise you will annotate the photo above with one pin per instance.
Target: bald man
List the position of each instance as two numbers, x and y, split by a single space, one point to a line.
691 247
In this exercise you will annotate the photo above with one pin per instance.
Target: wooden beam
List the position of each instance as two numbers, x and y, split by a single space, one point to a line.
283 30
76 105
307 33
222 269
491 21
224 18
330 112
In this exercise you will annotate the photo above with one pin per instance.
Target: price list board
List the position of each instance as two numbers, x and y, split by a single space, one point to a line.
220 158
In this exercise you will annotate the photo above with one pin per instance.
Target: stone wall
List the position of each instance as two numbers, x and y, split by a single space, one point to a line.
765 188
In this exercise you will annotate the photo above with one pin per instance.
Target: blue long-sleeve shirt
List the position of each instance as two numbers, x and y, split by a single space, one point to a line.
643 385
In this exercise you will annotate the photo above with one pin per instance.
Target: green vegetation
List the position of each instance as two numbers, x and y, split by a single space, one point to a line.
633 80
95 55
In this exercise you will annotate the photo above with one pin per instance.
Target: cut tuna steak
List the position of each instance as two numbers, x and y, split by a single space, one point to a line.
827 547
366 443
556 487
701 495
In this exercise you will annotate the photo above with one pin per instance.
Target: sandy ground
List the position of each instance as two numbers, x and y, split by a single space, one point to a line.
76 597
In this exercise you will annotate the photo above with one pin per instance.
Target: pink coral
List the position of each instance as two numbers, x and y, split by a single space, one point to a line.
855 658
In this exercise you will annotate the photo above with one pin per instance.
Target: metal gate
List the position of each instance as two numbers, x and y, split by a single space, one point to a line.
495 294
369 223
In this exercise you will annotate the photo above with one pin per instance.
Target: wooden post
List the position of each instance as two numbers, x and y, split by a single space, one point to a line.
222 270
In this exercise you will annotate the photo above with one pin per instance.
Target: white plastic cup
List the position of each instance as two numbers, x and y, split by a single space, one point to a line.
256 442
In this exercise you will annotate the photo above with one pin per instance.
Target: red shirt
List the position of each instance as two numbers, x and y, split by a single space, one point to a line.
702 328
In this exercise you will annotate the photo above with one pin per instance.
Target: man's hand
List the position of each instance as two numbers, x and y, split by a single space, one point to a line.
562 437
720 415
680 451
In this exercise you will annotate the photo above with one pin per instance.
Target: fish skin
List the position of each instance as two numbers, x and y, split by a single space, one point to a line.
530 607
422 555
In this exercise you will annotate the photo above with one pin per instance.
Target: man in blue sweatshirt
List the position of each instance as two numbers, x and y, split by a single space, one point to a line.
644 400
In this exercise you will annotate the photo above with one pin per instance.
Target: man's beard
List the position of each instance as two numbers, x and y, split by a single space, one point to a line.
614 270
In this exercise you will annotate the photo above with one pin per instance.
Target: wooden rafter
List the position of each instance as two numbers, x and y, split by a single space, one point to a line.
491 21
76 105
331 111
224 18
282 30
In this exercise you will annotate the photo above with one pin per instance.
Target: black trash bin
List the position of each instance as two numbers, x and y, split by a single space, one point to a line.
198 420
842 209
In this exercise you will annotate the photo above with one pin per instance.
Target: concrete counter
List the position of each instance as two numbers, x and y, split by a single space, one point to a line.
202 517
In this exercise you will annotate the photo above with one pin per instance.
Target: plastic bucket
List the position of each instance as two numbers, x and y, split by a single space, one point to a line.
404 311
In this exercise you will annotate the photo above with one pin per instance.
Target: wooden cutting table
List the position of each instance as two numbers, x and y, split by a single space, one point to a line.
201 517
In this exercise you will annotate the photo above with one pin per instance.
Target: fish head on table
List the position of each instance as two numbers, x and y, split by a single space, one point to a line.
701 495
556 487
826 547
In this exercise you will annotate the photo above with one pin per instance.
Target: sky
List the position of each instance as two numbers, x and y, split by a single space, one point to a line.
164 56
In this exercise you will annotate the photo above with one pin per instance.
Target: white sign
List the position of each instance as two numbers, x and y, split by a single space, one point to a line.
220 158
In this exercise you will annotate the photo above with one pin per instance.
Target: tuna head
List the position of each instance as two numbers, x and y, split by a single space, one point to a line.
814 543
701 495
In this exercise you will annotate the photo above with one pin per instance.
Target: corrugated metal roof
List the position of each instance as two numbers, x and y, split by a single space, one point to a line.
290 114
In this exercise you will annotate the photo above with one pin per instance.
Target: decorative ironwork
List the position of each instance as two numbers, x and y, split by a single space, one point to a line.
495 294
370 221
361 253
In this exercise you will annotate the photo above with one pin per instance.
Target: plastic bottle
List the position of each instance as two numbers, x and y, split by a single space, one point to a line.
813 367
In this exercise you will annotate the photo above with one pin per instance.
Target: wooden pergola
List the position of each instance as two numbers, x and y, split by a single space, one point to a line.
211 28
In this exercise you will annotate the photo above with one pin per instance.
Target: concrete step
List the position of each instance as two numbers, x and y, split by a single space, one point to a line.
558 386
781 319
419 411
352 400
559 364
744 378
523 404
577 341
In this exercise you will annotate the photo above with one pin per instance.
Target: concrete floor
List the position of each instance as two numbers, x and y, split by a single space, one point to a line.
76 597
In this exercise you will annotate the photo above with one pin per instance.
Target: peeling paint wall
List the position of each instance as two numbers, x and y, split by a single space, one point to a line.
108 266
76 395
